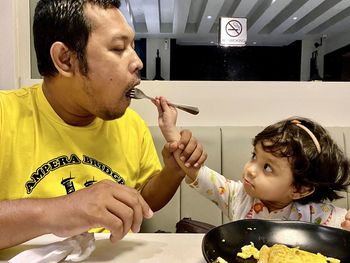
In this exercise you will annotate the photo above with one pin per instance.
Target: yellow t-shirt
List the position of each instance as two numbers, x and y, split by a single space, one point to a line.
42 156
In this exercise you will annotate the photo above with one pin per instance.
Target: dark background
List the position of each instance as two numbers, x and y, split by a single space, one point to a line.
235 63
252 63
230 63
337 65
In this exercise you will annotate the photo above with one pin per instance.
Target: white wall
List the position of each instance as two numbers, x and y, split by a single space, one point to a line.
224 103
7 45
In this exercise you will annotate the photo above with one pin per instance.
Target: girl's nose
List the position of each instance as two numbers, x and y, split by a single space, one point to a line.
251 170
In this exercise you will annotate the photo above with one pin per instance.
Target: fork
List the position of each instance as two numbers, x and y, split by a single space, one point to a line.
136 93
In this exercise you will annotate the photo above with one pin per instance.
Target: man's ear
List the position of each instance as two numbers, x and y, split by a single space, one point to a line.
302 191
63 59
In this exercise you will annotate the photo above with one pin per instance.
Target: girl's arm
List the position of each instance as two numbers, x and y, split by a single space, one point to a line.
167 117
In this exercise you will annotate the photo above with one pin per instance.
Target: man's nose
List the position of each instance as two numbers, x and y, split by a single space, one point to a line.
139 63
136 64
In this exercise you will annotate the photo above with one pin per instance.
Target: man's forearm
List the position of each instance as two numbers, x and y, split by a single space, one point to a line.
20 221
161 187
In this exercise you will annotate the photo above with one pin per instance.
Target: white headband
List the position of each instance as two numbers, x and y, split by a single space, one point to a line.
313 137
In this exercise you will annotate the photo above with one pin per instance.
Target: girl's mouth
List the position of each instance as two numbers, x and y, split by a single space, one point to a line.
247 182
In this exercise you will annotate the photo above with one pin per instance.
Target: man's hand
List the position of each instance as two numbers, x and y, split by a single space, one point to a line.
192 153
346 223
106 204
186 154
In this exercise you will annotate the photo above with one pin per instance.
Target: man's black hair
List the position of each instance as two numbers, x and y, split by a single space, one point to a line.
64 21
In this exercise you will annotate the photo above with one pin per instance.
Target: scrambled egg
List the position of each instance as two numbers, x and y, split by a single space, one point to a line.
282 254
220 260
249 251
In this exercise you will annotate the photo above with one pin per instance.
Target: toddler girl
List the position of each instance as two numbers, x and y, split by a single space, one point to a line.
294 170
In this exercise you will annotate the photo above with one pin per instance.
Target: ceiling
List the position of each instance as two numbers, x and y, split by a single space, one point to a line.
269 22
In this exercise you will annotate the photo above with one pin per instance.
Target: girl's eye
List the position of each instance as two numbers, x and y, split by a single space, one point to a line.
253 156
267 168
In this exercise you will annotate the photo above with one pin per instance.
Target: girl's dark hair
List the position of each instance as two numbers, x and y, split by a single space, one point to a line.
65 21
327 172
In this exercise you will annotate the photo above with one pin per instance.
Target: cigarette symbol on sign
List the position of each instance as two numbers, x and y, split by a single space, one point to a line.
233 28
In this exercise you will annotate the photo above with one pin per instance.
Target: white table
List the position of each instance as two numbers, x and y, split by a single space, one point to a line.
138 248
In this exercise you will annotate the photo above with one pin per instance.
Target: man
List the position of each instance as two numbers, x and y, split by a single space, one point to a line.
74 156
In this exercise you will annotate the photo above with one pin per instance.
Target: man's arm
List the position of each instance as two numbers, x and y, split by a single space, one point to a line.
105 204
20 220
161 187
182 154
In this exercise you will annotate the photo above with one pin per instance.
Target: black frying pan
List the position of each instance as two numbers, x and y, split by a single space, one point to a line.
226 240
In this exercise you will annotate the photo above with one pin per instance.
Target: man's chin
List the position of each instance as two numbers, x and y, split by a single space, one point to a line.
109 116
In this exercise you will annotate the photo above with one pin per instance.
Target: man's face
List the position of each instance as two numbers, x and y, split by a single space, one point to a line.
113 64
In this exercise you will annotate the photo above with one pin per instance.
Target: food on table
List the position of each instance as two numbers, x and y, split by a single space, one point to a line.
249 251
279 253
220 260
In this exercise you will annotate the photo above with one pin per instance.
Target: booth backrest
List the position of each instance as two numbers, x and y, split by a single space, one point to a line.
228 148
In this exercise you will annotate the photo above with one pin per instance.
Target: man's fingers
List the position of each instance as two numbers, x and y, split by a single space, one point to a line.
123 213
115 226
169 148
146 210
138 208
186 136
194 157
191 153
201 159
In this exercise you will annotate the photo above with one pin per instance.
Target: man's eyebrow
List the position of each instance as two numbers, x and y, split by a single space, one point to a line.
120 37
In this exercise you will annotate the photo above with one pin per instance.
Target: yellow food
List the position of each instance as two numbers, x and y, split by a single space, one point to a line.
249 251
282 254
220 260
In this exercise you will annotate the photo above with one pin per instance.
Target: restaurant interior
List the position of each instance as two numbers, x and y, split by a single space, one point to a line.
295 62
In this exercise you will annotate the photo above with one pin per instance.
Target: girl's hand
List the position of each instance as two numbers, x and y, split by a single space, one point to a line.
167 117
346 223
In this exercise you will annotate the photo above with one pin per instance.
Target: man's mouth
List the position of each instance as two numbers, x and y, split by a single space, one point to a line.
132 85
136 82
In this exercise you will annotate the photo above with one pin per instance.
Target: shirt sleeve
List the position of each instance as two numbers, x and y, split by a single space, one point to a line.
220 190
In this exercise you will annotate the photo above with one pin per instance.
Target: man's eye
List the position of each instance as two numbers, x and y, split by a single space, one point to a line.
119 49
267 168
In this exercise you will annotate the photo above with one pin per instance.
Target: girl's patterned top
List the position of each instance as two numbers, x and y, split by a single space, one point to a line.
235 203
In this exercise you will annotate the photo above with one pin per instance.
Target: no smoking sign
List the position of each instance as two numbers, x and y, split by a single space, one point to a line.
233 31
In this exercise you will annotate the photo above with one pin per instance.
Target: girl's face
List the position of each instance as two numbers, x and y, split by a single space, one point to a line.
269 178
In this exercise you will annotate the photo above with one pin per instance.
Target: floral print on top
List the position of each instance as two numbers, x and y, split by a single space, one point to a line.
236 204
